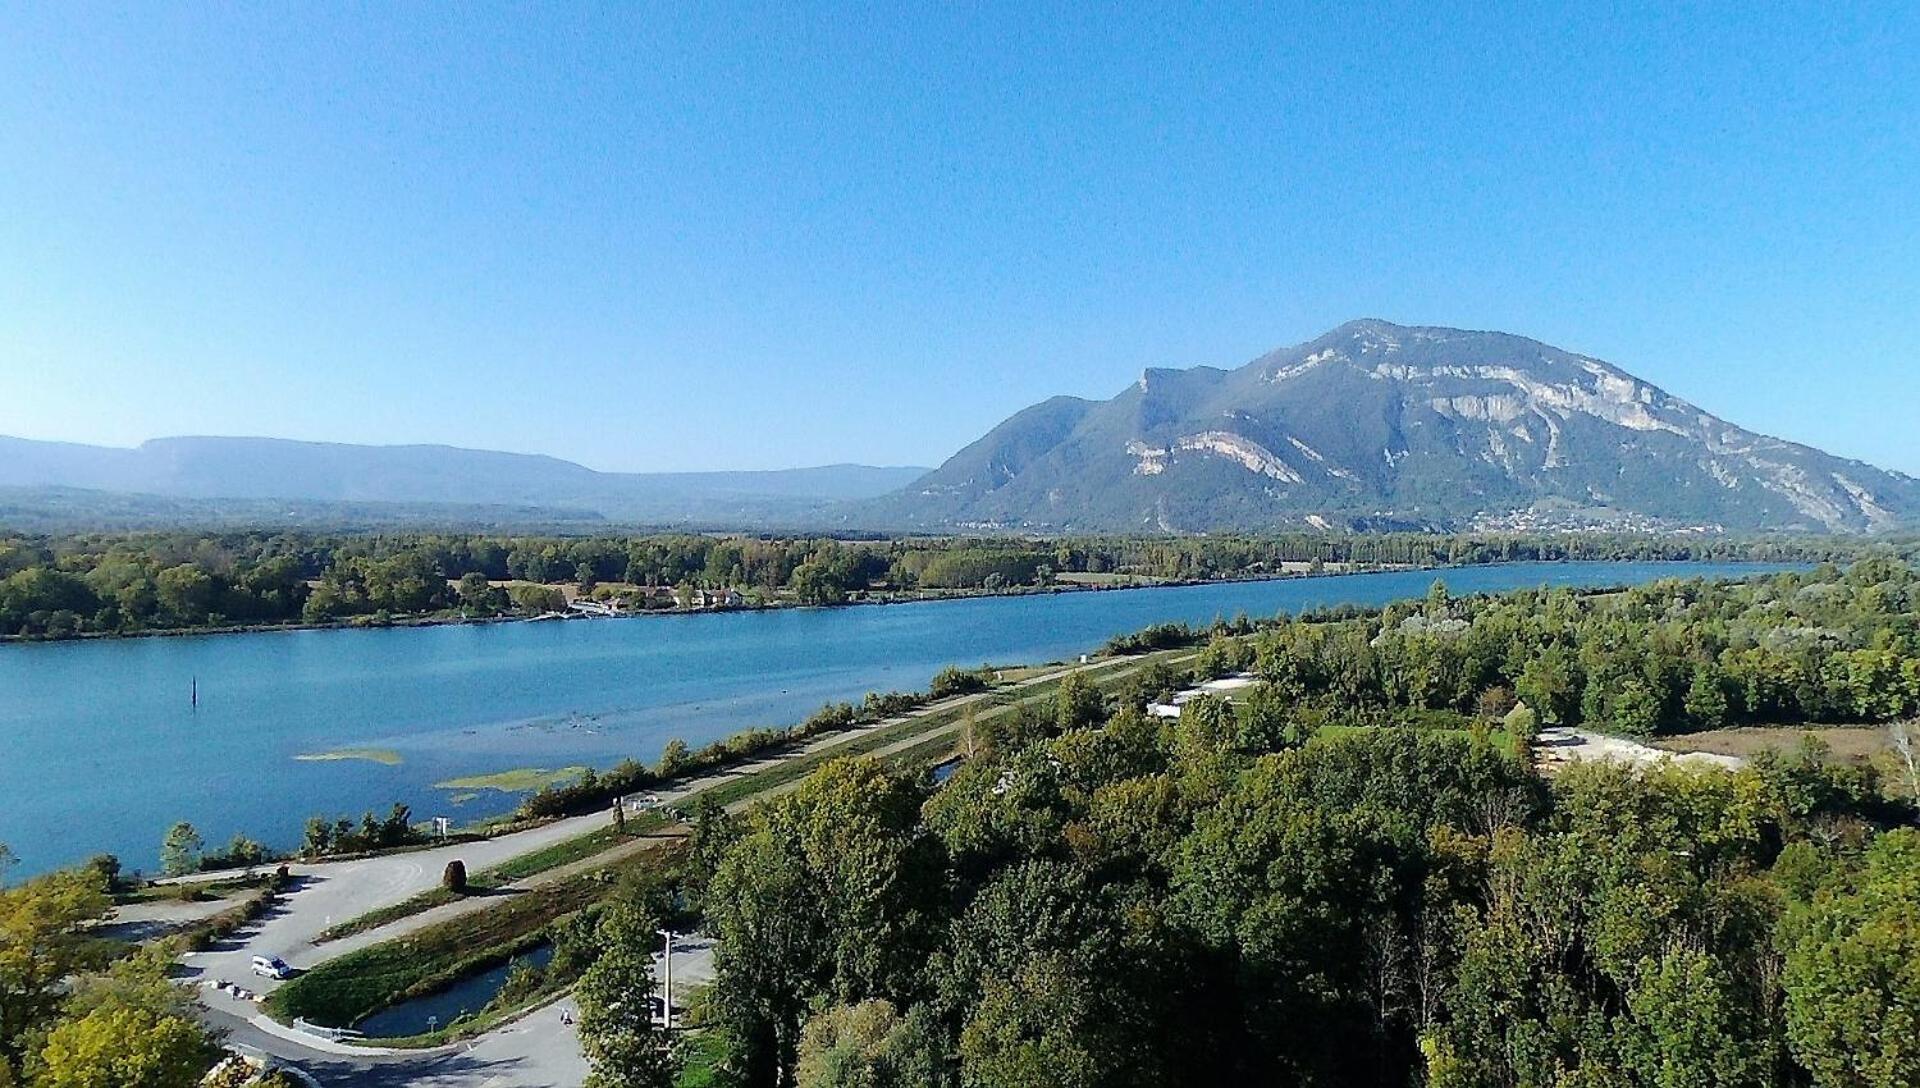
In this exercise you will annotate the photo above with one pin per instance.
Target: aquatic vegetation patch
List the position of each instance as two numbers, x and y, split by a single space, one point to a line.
519 780
384 756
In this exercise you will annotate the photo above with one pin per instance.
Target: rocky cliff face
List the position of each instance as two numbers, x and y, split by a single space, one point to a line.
1375 424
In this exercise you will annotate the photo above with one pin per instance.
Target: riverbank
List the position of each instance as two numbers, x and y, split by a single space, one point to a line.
866 597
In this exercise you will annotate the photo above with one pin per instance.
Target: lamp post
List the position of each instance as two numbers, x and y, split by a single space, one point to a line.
666 992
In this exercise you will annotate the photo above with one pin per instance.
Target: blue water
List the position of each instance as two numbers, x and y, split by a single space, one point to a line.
100 751
469 995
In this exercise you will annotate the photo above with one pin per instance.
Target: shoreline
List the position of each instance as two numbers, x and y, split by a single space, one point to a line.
362 624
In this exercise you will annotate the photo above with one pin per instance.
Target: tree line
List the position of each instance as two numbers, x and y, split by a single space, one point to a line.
59 586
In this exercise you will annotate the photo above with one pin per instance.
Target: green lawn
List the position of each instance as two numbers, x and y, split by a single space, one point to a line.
703 1052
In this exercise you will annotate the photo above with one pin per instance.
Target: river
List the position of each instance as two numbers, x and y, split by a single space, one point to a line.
103 751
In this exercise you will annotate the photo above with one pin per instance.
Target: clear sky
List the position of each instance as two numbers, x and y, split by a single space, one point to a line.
649 236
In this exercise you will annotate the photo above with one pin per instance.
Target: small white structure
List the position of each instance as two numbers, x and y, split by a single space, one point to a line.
1223 687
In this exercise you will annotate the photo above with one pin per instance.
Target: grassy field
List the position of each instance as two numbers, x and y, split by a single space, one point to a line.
190 891
1090 578
1849 742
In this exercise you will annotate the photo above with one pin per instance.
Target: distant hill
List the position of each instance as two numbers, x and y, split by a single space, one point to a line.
216 478
1378 425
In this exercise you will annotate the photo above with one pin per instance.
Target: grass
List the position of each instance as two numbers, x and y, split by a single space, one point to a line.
925 754
799 766
1859 742
519 780
1090 578
384 756
188 892
703 1053
512 871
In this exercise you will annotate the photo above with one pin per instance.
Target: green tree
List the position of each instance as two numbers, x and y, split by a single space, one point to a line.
185 593
674 759
624 1044
43 945
128 1028
773 954
1549 685
1706 700
123 1048
1852 975
869 1045
1078 704
816 583
180 850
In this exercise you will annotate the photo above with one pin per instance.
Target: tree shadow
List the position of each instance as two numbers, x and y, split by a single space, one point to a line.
443 1071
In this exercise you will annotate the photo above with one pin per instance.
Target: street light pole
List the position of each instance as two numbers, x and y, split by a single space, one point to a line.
666 996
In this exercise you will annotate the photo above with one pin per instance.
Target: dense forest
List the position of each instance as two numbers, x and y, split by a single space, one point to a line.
1345 878
53 587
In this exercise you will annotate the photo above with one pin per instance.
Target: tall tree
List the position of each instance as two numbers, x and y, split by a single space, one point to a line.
625 1045
181 849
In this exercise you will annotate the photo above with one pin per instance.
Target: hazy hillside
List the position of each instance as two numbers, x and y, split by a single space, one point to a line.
222 475
1378 424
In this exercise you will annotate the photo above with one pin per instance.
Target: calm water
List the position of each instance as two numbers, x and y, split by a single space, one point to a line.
100 751
469 995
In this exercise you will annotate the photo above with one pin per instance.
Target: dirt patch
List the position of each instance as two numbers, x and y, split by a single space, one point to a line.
1557 747
1856 743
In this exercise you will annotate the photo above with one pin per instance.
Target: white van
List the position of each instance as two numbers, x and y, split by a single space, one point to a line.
271 967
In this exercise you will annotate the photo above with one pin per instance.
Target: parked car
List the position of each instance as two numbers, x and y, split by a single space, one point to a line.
271 967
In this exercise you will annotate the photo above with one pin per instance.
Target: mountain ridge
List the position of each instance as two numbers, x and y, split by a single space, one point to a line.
1375 423
254 468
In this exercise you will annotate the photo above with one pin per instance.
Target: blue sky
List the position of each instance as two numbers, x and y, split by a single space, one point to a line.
706 236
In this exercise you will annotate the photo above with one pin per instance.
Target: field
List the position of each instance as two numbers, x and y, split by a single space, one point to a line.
1859 743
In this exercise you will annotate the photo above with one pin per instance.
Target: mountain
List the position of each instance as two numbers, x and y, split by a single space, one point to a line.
423 481
1375 425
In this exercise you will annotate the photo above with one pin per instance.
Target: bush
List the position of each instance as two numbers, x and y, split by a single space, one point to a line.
954 680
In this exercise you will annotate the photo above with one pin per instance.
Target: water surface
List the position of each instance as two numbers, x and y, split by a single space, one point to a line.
101 751
424 1014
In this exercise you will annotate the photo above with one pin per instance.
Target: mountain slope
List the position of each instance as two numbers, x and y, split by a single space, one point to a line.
1375 423
320 472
